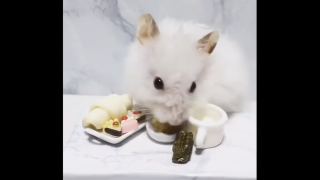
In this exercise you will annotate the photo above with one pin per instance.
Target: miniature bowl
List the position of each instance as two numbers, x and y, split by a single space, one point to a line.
158 136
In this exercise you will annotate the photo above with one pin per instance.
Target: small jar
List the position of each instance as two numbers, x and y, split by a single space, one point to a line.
165 128
163 132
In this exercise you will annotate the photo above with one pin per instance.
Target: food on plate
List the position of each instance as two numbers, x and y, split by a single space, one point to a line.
182 148
95 118
165 128
128 124
127 100
114 104
139 113
114 114
134 114
112 127
142 119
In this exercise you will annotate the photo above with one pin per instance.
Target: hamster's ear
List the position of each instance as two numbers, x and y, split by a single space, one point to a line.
208 42
146 28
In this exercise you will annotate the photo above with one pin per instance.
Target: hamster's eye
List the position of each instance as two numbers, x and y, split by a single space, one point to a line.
158 84
193 87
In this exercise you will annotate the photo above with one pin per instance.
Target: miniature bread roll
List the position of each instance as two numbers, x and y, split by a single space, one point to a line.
113 105
127 100
101 103
96 117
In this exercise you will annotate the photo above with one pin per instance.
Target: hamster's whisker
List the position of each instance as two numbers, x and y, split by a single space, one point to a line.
144 112
147 114
141 108
149 118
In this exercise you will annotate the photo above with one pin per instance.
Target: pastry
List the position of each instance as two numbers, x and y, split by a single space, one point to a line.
137 115
96 118
127 100
134 114
128 124
142 119
182 148
104 114
112 127
113 104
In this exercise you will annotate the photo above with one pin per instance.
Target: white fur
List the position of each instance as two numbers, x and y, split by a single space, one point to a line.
220 77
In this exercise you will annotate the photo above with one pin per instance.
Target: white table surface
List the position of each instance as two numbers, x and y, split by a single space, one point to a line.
139 158
72 106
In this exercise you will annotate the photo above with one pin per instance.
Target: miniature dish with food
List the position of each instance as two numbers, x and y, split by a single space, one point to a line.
113 118
162 132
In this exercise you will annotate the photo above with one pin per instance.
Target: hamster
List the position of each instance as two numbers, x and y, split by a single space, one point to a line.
174 65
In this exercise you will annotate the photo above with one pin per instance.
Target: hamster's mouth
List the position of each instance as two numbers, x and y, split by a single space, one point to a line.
171 115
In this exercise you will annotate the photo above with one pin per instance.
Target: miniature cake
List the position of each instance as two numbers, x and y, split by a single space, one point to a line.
112 127
138 115
134 114
129 125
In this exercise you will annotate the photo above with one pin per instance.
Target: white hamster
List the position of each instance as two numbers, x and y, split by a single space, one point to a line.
173 65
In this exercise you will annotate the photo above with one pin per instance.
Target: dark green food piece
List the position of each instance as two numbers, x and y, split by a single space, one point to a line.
182 148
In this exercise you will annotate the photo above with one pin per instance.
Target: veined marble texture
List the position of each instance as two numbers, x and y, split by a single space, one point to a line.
96 34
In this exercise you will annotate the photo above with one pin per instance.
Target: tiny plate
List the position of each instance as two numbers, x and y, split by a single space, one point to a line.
111 139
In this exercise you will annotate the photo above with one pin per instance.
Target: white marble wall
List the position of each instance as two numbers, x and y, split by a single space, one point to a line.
97 32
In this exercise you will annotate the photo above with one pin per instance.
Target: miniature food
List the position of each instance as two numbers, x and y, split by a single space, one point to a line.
129 125
127 100
113 115
114 105
182 148
134 114
112 127
165 128
95 118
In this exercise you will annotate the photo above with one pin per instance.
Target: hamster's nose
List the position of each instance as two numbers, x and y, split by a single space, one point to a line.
175 100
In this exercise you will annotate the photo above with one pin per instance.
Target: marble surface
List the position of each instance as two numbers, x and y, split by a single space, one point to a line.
96 34
72 107
139 158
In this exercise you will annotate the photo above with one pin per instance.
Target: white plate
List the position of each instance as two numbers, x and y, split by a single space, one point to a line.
111 139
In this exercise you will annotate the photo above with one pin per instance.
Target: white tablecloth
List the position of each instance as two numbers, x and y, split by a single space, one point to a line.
139 158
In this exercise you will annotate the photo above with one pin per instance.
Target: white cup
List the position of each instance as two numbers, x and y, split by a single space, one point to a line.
207 126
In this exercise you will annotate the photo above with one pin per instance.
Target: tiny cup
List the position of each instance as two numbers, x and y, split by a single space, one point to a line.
207 125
